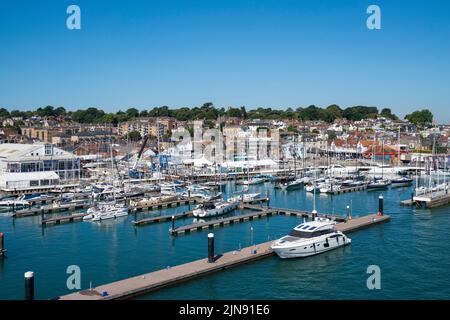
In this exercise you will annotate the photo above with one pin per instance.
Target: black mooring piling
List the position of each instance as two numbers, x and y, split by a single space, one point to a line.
210 247
2 244
29 285
380 205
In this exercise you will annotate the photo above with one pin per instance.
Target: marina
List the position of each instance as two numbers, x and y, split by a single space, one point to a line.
225 155
145 283
172 214
143 213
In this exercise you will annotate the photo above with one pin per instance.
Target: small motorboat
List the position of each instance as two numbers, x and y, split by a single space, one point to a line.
378 184
245 197
402 182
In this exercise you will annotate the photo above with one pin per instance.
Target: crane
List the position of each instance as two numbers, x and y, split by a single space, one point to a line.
133 172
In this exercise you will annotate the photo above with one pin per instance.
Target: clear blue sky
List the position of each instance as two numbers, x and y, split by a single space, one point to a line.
270 53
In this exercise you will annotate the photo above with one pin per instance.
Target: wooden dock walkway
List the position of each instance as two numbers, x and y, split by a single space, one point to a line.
63 219
52 209
258 213
434 200
307 214
219 222
163 218
132 287
187 214
85 204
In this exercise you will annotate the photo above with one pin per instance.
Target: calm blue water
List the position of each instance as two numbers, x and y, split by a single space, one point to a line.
412 251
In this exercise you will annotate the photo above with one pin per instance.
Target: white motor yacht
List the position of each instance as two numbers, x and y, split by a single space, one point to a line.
317 187
210 209
310 238
106 211
19 202
151 201
245 197
329 188
253 181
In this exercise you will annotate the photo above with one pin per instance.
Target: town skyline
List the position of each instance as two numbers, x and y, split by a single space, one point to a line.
209 111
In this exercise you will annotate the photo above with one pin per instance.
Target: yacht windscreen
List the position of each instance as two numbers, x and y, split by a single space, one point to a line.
303 234
209 205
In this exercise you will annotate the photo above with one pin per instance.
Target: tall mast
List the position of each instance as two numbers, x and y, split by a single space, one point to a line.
295 158
399 146
382 159
432 161
220 154
445 172
373 152
315 178
112 168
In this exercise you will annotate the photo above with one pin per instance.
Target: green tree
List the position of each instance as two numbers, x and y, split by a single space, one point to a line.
420 118
4 113
243 112
335 110
310 113
90 115
17 113
46 112
60 111
134 136
132 113
387 113
331 136
358 113
234 112
143 114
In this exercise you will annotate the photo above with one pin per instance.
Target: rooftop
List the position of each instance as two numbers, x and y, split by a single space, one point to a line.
19 151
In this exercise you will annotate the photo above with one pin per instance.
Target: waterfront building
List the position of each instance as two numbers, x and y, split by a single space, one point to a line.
148 126
36 167
46 133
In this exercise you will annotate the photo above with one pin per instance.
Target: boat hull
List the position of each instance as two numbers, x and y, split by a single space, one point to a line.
401 184
307 250
214 212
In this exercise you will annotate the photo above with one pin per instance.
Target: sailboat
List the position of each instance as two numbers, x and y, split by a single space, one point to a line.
381 183
252 181
298 182
107 211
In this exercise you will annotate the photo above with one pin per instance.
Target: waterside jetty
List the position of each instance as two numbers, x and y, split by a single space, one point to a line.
138 285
